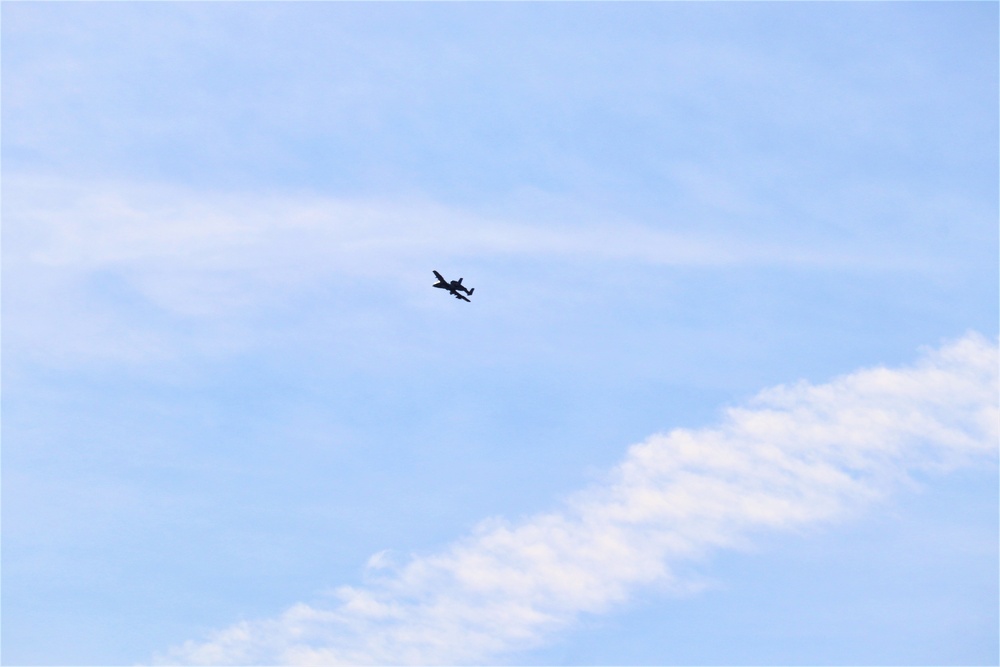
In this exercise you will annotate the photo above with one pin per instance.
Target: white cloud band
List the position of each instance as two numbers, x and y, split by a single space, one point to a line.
793 456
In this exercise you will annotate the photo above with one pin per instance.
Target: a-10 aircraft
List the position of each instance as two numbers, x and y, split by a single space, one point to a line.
454 287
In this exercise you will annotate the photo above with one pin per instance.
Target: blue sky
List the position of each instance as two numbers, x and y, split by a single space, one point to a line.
726 392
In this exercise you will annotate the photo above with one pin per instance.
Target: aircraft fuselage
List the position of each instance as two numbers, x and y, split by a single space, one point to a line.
453 286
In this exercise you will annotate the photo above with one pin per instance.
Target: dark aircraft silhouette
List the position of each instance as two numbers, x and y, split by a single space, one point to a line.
453 287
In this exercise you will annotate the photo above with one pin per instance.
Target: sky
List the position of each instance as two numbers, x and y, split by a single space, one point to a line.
726 392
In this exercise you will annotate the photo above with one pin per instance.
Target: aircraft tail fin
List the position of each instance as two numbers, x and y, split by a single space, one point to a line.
471 290
459 281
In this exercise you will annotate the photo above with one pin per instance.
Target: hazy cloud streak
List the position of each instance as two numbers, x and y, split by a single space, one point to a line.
86 257
85 226
792 457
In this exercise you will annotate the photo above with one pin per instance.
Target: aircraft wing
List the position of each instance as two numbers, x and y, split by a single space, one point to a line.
459 296
439 277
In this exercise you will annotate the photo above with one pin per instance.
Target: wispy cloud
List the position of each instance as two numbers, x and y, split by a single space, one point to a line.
793 456
85 257
81 225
